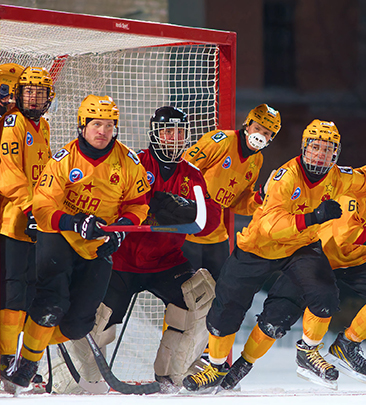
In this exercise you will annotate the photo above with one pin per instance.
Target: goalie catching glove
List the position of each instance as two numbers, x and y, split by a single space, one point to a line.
172 209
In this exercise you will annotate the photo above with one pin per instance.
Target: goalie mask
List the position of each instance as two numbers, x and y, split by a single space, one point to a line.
34 92
169 133
320 146
266 116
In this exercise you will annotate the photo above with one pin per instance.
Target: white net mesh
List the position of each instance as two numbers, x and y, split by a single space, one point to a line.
141 73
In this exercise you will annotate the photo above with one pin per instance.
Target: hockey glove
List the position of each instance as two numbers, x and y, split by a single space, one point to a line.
172 209
86 225
31 229
327 210
112 243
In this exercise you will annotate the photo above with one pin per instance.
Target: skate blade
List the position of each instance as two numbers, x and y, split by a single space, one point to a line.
310 376
22 390
8 386
344 368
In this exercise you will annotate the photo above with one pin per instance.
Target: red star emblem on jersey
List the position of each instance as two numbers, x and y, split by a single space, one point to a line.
40 154
232 182
88 187
301 207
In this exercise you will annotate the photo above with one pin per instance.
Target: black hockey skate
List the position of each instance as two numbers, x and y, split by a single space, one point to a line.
237 372
25 373
313 367
348 357
211 376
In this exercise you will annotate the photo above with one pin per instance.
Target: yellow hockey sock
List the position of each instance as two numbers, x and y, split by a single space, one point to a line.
57 337
314 328
257 345
36 339
357 331
11 324
220 346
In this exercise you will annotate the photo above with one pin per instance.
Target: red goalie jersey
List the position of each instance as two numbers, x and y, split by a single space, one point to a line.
155 252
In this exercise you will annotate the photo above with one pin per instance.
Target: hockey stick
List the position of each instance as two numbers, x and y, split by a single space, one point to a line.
112 380
124 326
49 384
191 228
99 387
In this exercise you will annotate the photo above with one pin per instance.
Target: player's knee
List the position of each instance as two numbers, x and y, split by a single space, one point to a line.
48 316
273 331
324 306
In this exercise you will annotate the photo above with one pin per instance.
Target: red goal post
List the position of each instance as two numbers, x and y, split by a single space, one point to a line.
142 65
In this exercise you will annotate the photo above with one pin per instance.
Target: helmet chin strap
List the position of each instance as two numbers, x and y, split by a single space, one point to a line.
256 140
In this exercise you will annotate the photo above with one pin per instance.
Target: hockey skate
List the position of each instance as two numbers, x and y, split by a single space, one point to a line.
313 367
210 377
6 363
348 357
237 372
24 374
167 385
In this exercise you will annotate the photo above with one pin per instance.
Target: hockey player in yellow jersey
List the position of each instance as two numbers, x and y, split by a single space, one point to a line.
283 235
94 179
9 75
25 150
343 242
230 162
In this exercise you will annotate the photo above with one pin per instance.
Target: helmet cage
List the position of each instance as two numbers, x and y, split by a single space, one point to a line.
169 150
311 159
33 114
9 75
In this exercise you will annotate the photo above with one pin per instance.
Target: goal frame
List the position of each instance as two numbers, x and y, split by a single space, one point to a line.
226 41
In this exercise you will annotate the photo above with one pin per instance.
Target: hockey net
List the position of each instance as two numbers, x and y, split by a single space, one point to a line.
142 66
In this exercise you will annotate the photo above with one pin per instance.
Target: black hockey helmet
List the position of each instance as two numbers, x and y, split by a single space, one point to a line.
169 133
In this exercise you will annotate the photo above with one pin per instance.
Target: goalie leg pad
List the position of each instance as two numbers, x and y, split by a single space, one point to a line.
180 347
82 356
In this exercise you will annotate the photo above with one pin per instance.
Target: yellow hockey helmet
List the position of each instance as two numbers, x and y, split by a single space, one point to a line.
266 116
328 134
35 77
97 107
9 75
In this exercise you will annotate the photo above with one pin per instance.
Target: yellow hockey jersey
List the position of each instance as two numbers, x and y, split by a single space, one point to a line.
109 187
339 237
278 226
229 176
25 150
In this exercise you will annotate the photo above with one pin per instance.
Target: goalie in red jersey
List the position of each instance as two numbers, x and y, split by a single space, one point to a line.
155 262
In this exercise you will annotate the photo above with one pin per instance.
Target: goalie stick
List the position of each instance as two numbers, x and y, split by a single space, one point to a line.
191 228
99 387
112 380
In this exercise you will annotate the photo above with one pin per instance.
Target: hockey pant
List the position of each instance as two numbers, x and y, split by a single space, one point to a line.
68 293
207 256
244 274
17 289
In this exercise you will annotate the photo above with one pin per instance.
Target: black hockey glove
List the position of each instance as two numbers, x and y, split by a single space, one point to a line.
111 245
172 209
84 224
327 210
31 229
